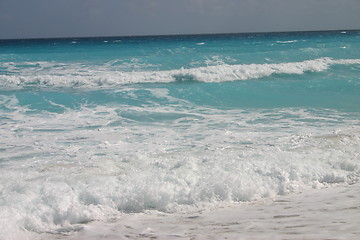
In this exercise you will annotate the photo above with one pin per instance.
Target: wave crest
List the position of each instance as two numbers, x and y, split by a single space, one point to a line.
81 76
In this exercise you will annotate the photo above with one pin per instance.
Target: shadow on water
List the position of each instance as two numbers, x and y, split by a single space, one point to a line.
184 78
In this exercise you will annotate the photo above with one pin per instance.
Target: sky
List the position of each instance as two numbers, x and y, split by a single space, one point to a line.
86 18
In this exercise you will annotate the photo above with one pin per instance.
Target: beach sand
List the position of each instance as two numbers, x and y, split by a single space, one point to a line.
329 213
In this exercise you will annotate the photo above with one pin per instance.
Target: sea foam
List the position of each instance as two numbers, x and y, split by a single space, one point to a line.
97 162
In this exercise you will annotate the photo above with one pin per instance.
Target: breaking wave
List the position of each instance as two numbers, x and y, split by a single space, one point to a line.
77 75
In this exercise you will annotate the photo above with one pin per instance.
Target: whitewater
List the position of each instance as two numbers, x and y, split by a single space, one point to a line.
223 136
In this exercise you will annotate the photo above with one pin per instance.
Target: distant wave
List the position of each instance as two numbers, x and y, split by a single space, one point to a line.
96 76
292 41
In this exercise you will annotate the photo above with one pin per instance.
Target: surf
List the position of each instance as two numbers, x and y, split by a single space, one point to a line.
54 75
107 128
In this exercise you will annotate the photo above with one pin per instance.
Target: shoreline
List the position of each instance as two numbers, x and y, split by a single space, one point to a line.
329 213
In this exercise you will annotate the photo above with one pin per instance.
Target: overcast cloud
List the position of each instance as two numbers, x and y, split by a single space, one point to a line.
76 18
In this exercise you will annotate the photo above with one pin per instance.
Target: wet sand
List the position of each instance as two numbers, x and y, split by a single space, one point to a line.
330 213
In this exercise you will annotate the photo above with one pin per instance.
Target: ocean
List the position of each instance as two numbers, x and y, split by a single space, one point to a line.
97 129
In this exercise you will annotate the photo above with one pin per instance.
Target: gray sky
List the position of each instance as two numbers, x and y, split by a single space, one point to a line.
77 18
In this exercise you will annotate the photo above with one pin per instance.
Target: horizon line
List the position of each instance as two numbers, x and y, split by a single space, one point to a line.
174 34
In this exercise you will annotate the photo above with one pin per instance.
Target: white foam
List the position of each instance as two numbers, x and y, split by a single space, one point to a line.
59 170
79 75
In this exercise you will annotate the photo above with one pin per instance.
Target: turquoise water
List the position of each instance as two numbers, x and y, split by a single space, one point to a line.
95 127
285 69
